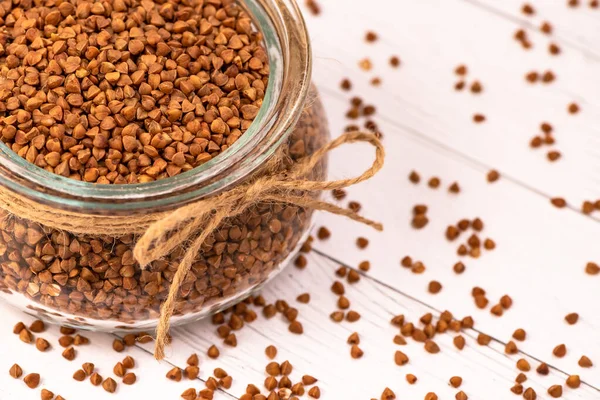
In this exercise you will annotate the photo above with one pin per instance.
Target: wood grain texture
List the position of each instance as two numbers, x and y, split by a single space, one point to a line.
541 251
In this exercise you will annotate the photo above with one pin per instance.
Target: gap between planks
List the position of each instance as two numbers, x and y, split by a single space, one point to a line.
438 312
458 155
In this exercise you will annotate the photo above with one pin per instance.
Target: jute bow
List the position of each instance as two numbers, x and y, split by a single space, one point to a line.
203 217
161 232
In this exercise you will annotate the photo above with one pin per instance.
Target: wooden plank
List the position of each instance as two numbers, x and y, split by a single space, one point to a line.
576 26
539 260
56 372
321 351
432 37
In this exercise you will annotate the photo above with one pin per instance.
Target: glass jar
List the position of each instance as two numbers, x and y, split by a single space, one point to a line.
94 282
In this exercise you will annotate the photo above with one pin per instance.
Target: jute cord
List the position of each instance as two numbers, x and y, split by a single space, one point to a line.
192 224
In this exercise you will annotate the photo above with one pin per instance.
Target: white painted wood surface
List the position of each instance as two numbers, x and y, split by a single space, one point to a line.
541 251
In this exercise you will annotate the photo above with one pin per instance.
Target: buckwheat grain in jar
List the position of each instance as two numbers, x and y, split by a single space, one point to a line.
155 154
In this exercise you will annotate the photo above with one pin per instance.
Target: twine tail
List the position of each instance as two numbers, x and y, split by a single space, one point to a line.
166 311
307 166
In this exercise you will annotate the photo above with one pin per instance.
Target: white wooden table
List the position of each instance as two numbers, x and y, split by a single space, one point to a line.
541 250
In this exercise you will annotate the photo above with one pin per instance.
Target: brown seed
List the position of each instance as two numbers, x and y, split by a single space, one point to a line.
419 221
323 233
304 298
585 362
69 353
371 37
271 352
192 371
553 155
314 392
517 389
308 380
483 339
543 369
573 108
32 380
434 287
346 85
460 85
388 394
352 316
414 177
365 64
15 371
118 345
355 351
411 379
459 342
46 394
476 87
37 326
431 396
478 118
213 352
88 368
454 188
521 378
119 370
300 262
96 379
434 182
41 344
189 394
79 375
431 347
296 327
109 385
66 341
18 328
497 310
353 338
174 374
572 318
400 358
558 202
286 368
511 348
461 396
461 70
532 77
395 61
592 268
554 49
587 207
456 381
546 27
573 381
527 9
493 176
560 350
520 334
523 365
555 391
459 268
128 362
25 336
337 316
362 242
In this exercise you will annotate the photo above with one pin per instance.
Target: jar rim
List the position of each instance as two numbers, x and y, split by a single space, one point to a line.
290 62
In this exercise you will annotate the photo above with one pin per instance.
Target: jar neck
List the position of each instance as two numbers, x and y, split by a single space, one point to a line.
288 47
